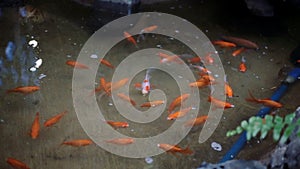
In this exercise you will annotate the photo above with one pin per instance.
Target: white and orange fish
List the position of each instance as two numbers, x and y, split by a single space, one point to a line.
242 66
146 86
130 38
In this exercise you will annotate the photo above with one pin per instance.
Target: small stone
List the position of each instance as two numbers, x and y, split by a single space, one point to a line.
94 56
216 75
32 69
216 146
158 46
42 76
180 77
46 30
176 31
149 160
33 43
110 104
1 120
68 56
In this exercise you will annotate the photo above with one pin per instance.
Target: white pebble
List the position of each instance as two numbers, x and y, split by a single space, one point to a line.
33 43
159 46
176 31
94 56
68 56
180 77
38 63
110 104
32 69
266 47
1 120
46 30
42 76
216 75
149 160
216 146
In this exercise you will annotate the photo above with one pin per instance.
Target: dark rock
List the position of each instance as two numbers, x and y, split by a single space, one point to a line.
235 164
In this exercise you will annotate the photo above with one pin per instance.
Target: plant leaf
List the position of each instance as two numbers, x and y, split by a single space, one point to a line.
277 130
289 118
244 124
287 132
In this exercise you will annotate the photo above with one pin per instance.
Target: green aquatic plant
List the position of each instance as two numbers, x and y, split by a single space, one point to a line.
282 127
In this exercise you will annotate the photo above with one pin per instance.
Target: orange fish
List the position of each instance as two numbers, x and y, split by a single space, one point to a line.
118 84
35 128
126 98
106 63
130 38
118 124
242 66
165 58
76 64
149 29
175 149
177 101
103 86
206 78
99 88
220 103
241 42
238 51
224 43
16 163
196 121
199 84
228 89
209 59
24 89
153 103
194 60
179 114
53 120
121 141
78 143
266 102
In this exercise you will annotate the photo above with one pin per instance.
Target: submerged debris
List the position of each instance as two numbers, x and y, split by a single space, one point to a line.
216 146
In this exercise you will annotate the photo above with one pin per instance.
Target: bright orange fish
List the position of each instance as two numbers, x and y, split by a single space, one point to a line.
179 114
24 89
78 143
153 103
35 128
220 103
103 86
126 98
53 120
175 149
238 51
165 58
106 63
228 89
224 43
149 29
118 84
130 38
76 64
177 101
196 121
266 102
199 84
121 141
16 163
118 124
194 60
242 66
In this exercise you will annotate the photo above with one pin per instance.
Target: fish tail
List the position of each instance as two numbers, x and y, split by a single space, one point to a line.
187 150
252 98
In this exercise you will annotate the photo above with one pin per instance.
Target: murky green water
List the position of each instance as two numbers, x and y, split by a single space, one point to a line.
61 36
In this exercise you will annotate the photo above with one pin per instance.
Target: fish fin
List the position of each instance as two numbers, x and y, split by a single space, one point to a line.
187 150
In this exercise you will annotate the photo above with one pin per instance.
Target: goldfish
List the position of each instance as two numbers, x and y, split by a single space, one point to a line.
106 63
202 69
199 84
118 124
149 29
194 60
165 58
241 42
175 149
220 103
16 163
242 66
76 64
24 89
103 86
177 101
206 78
266 102
78 143
118 84
209 59
179 114
146 86
53 120
130 38
153 103
238 51
126 98
224 43
35 127
228 89
121 141
196 121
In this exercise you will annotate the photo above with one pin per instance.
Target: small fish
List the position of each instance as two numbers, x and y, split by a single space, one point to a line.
130 38
220 103
126 98
35 128
78 143
16 163
224 43
202 69
118 124
165 58
266 102
153 103
118 84
76 64
179 114
241 42
149 29
209 59
146 86
175 149
103 86
121 141
238 51
177 101
196 121
24 89
199 84
194 60
228 89
53 120
106 63
242 66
